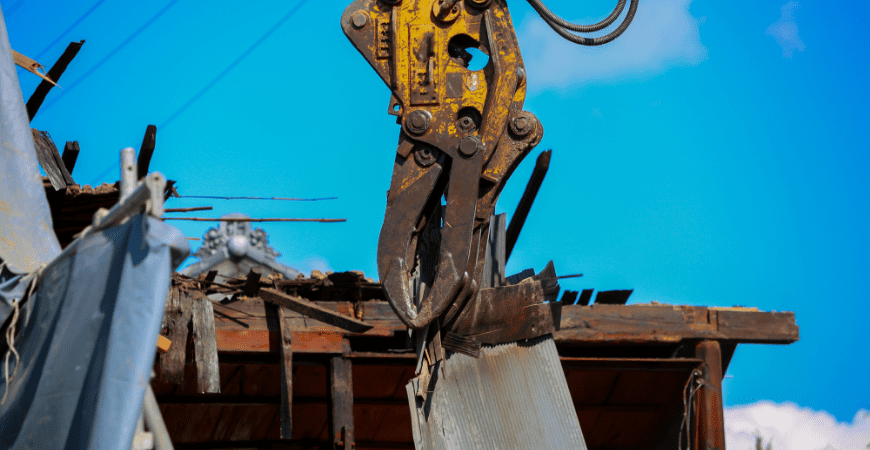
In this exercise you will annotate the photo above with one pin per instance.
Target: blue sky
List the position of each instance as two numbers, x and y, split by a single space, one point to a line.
716 154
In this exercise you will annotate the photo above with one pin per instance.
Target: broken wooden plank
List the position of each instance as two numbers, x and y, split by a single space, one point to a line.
585 297
50 160
313 310
286 373
616 297
146 151
38 96
70 155
671 324
549 282
30 65
757 326
506 314
341 403
494 261
176 317
517 277
205 345
569 297
252 282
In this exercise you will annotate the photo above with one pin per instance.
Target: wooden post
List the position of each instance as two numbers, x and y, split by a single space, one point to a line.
36 99
341 403
146 151
175 320
494 261
205 347
710 424
70 155
286 373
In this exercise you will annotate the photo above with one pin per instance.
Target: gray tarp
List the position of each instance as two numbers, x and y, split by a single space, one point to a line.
27 238
88 340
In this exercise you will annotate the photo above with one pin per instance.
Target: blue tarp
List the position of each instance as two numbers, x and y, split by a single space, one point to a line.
88 340
28 239
87 336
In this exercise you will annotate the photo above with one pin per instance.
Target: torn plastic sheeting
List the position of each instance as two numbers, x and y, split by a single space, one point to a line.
27 239
88 339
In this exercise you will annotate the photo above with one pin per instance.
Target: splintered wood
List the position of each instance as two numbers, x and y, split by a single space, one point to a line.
190 311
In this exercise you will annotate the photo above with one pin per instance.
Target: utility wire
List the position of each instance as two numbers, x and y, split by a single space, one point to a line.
246 219
216 79
232 65
110 54
15 8
257 198
80 19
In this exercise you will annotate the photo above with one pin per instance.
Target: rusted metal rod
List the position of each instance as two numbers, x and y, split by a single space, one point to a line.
246 219
196 208
525 205
215 197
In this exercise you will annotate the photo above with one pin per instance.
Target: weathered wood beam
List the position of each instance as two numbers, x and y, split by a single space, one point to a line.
242 326
38 96
286 373
205 345
710 422
341 403
314 311
146 151
269 341
252 283
51 161
70 155
617 324
585 297
176 317
617 297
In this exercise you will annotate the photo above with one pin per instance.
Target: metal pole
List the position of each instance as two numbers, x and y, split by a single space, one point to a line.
154 420
128 172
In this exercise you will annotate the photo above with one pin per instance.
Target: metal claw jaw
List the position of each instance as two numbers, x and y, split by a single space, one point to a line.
453 123
414 189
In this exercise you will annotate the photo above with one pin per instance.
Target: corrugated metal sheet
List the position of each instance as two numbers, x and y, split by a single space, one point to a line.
513 397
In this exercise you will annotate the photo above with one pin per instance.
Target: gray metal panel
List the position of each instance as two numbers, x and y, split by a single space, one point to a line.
513 397
27 238
88 340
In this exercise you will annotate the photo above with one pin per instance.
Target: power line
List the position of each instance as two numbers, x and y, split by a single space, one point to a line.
246 219
80 19
110 54
15 8
216 197
211 83
232 65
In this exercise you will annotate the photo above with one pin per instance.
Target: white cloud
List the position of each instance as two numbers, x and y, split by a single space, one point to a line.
788 426
663 34
314 263
785 31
